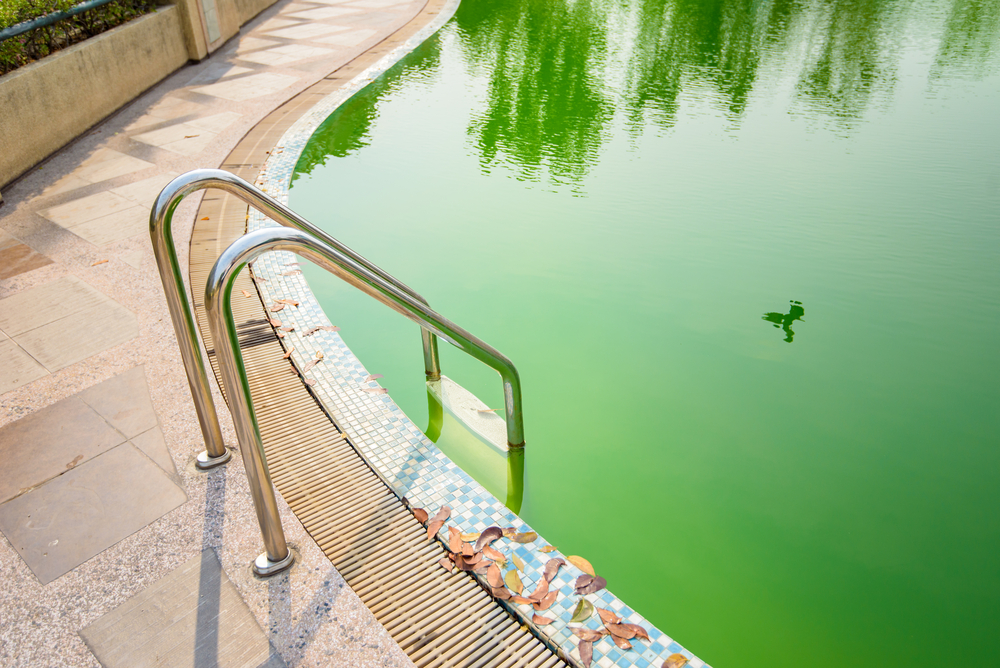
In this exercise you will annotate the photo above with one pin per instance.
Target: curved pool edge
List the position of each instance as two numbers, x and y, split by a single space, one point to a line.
393 445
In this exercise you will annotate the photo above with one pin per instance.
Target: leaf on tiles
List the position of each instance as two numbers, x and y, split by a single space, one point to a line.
288 353
541 591
486 537
375 390
552 567
586 653
495 555
596 585
487 410
281 335
675 661
274 322
501 593
474 559
293 272
588 634
608 617
467 549
548 548
277 307
247 293
494 577
319 354
582 564
541 621
639 631
330 328
546 602
446 564
527 537
469 537
621 630
518 564
583 581
442 514
311 331
513 581
433 528
520 600
371 376
621 642
290 302
294 371
309 381
260 279
290 328
310 364
582 612
420 514
463 563
508 532
291 264
481 568
454 542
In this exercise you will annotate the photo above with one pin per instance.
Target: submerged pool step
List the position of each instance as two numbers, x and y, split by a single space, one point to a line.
381 550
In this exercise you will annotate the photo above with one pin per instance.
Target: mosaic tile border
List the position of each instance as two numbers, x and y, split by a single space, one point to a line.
399 451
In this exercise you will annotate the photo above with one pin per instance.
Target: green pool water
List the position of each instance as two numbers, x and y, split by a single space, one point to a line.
746 257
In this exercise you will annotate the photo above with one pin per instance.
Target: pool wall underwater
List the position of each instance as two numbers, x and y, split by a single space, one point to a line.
393 445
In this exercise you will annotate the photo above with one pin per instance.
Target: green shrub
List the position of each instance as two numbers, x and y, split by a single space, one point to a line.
40 42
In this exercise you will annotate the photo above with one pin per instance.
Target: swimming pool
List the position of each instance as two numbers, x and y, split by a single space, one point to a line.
745 256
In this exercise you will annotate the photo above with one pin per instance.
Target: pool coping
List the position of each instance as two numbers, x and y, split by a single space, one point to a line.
394 446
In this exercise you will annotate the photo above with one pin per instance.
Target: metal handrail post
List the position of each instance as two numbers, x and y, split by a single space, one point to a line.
161 234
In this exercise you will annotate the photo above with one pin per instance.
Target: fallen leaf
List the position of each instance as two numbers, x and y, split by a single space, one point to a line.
527 537
501 593
454 541
446 564
583 581
373 376
508 532
247 293
76 460
467 550
621 630
310 364
608 617
520 600
294 371
494 576
518 564
586 653
582 612
290 328
375 390
420 514
274 322
98 262
309 381
433 528
206 217
541 621
442 514
540 591
588 634
260 279
277 307
513 581
319 354
582 564
281 335
293 272
596 585
482 567
549 599
487 410
288 353
486 537
311 331
552 567
490 553
547 549
621 642
191 137
290 302
639 631
675 661
291 264
469 537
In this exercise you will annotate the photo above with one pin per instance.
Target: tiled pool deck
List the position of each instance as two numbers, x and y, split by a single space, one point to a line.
81 310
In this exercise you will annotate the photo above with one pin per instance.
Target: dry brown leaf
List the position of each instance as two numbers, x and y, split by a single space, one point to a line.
586 653
310 364
508 532
469 537
501 593
260 279
608 617
420 514
675 661
443 513
548 548
247 293
621 630
552 567
277 307
541 621
293 272
621 642
371 376
540 591
494 576
583 581
274 322
639 631
490 553
375 390
281 335
288 353
588 634
433 528
486 537
290 302
582 564
454 542
526 537
290 328
468 551
206 217
549 599
513 581
520 600
518 564
446 564
482 568
595 585
330 328
309 381
294 371
311 331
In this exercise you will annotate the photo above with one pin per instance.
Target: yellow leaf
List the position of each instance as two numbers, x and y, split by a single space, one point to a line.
582 564
513 581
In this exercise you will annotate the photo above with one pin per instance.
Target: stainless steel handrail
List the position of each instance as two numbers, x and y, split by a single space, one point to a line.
161 233
222 323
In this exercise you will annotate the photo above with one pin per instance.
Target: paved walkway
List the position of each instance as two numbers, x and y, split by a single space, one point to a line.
115 550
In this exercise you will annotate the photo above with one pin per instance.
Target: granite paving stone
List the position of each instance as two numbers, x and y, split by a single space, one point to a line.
17 367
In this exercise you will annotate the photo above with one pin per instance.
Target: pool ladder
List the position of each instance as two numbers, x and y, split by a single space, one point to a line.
301 237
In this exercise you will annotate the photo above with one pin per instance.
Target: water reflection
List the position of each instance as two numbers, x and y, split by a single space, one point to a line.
785 320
